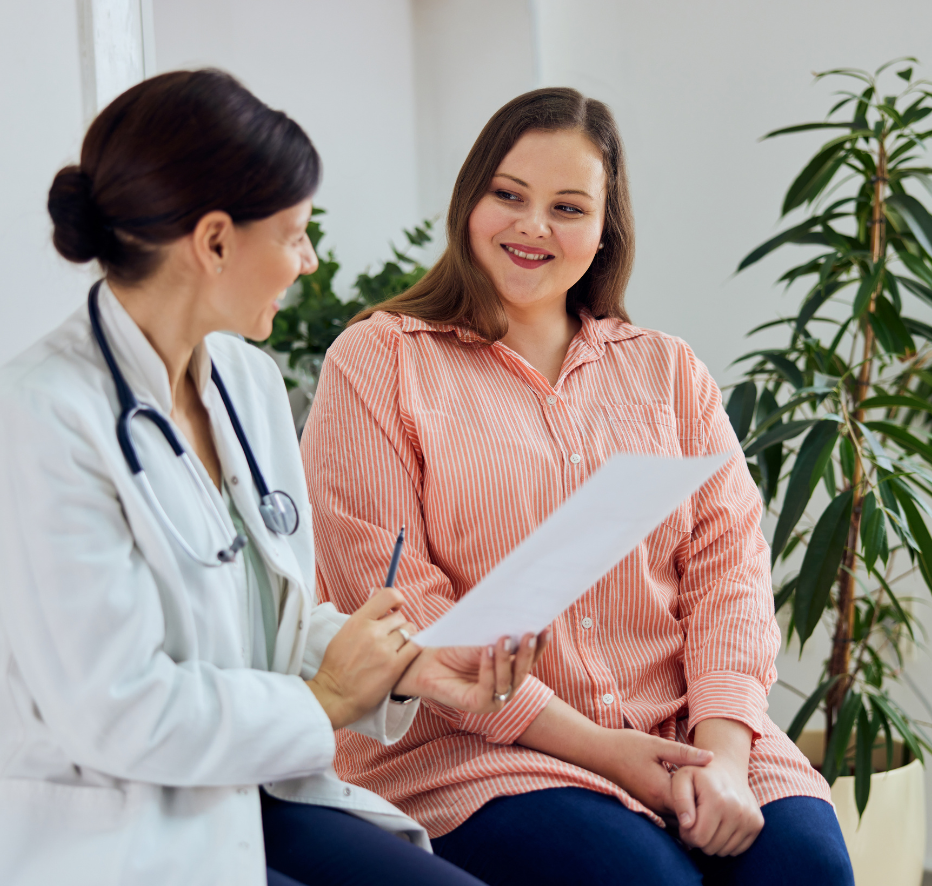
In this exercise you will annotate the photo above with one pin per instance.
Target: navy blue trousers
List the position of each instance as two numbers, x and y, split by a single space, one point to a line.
572 835
326 847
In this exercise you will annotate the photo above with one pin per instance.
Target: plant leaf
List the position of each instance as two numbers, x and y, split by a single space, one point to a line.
808 708
782 432
820 565
787 236
741 408
784 594
918 530
889 401
805 127
841 735
899 723
799 489
866 289
917 266
873 530
863 760
916 216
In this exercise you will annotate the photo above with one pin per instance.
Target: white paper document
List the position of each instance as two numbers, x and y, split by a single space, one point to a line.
592 531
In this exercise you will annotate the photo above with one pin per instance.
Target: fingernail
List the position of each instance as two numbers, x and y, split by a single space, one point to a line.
491 652
532 643
685 819
508 644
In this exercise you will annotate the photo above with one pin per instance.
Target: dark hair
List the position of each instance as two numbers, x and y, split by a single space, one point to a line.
455 290
162 155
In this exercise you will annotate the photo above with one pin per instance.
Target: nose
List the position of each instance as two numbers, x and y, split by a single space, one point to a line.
534 222
309 262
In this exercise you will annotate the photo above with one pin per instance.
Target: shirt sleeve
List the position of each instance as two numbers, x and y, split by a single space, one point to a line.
365 479
726 595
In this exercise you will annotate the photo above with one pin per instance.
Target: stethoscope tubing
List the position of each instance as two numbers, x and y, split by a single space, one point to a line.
276 516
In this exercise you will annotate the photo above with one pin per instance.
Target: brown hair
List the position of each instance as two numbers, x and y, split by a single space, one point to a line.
162 155
455 290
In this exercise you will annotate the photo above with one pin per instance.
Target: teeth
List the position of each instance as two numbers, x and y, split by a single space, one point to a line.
532 257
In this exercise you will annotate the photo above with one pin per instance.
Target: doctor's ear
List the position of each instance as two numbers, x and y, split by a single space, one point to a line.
212 241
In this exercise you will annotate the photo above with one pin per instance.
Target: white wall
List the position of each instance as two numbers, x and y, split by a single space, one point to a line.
344 71
41 127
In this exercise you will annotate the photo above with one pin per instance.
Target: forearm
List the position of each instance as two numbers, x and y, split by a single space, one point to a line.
729 740
562 732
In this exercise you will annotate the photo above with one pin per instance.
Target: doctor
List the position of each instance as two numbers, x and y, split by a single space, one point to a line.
161 653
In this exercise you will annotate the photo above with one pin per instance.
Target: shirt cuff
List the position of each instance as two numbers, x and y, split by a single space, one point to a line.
387 722
508 724
730 696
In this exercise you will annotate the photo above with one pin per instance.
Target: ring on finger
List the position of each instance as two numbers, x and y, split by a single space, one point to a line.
404 635
502 696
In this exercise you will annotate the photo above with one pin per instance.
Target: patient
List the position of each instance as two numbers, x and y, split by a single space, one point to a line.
469 408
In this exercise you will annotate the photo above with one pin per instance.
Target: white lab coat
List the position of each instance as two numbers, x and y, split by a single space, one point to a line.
133 730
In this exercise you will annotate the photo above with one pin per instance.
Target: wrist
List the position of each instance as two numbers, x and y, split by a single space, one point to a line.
329 698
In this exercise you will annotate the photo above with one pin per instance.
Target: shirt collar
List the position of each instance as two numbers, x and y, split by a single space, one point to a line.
143 367
595 332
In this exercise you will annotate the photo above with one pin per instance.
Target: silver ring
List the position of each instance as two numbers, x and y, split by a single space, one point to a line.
502 696
404 635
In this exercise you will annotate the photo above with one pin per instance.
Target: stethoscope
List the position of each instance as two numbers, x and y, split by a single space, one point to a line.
278 509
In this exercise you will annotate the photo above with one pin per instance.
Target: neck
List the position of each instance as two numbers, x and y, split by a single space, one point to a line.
166 313
541 334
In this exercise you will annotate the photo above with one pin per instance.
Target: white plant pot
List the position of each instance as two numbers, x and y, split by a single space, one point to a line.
888 845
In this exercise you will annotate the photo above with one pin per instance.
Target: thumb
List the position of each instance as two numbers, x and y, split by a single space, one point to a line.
684 797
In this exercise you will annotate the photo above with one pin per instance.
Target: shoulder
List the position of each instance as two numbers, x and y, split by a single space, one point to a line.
379 333
243 362
58 372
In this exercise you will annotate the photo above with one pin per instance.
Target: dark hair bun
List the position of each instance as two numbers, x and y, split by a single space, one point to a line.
79 233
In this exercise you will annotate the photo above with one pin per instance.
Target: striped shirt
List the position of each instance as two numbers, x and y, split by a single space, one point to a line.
471 448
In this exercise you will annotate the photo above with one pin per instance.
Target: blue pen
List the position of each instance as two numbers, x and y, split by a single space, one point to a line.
396 556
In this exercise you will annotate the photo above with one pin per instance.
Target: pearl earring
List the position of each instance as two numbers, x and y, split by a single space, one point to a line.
220 268
601 245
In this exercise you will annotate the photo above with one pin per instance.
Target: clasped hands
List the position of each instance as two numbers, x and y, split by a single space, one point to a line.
371 655
708 794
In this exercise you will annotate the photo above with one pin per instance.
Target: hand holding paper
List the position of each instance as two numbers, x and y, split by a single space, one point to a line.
599 525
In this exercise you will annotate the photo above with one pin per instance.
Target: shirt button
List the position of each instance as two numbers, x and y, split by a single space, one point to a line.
300 625
234 480
608 698
587 622
551 400
346 792
575 458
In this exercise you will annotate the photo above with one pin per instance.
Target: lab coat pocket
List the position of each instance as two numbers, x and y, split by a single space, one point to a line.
648 429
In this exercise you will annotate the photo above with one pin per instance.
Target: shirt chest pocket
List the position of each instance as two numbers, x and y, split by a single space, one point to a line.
647 429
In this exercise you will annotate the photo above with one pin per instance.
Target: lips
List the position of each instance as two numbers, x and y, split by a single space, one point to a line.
528 257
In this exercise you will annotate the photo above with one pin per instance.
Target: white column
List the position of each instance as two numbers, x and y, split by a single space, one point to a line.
117 49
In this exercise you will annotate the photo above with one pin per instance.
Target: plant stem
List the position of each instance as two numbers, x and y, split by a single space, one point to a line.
840 663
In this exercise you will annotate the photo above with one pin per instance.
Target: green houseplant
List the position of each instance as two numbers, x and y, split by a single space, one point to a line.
846 406
314 315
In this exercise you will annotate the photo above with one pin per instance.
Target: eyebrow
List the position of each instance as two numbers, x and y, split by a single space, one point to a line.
524 184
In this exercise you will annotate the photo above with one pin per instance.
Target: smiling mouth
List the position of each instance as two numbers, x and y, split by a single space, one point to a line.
528 256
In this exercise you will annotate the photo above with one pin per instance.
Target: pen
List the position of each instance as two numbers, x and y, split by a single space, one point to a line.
396 556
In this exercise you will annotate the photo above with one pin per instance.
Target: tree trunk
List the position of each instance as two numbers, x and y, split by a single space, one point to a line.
840 662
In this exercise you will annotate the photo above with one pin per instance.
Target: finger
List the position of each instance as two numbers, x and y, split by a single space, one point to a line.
684 797
730 847
389 623
723 834
543 641
485 681
381 601
680 754
708 819
503 666
402 639
746 843
524 660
